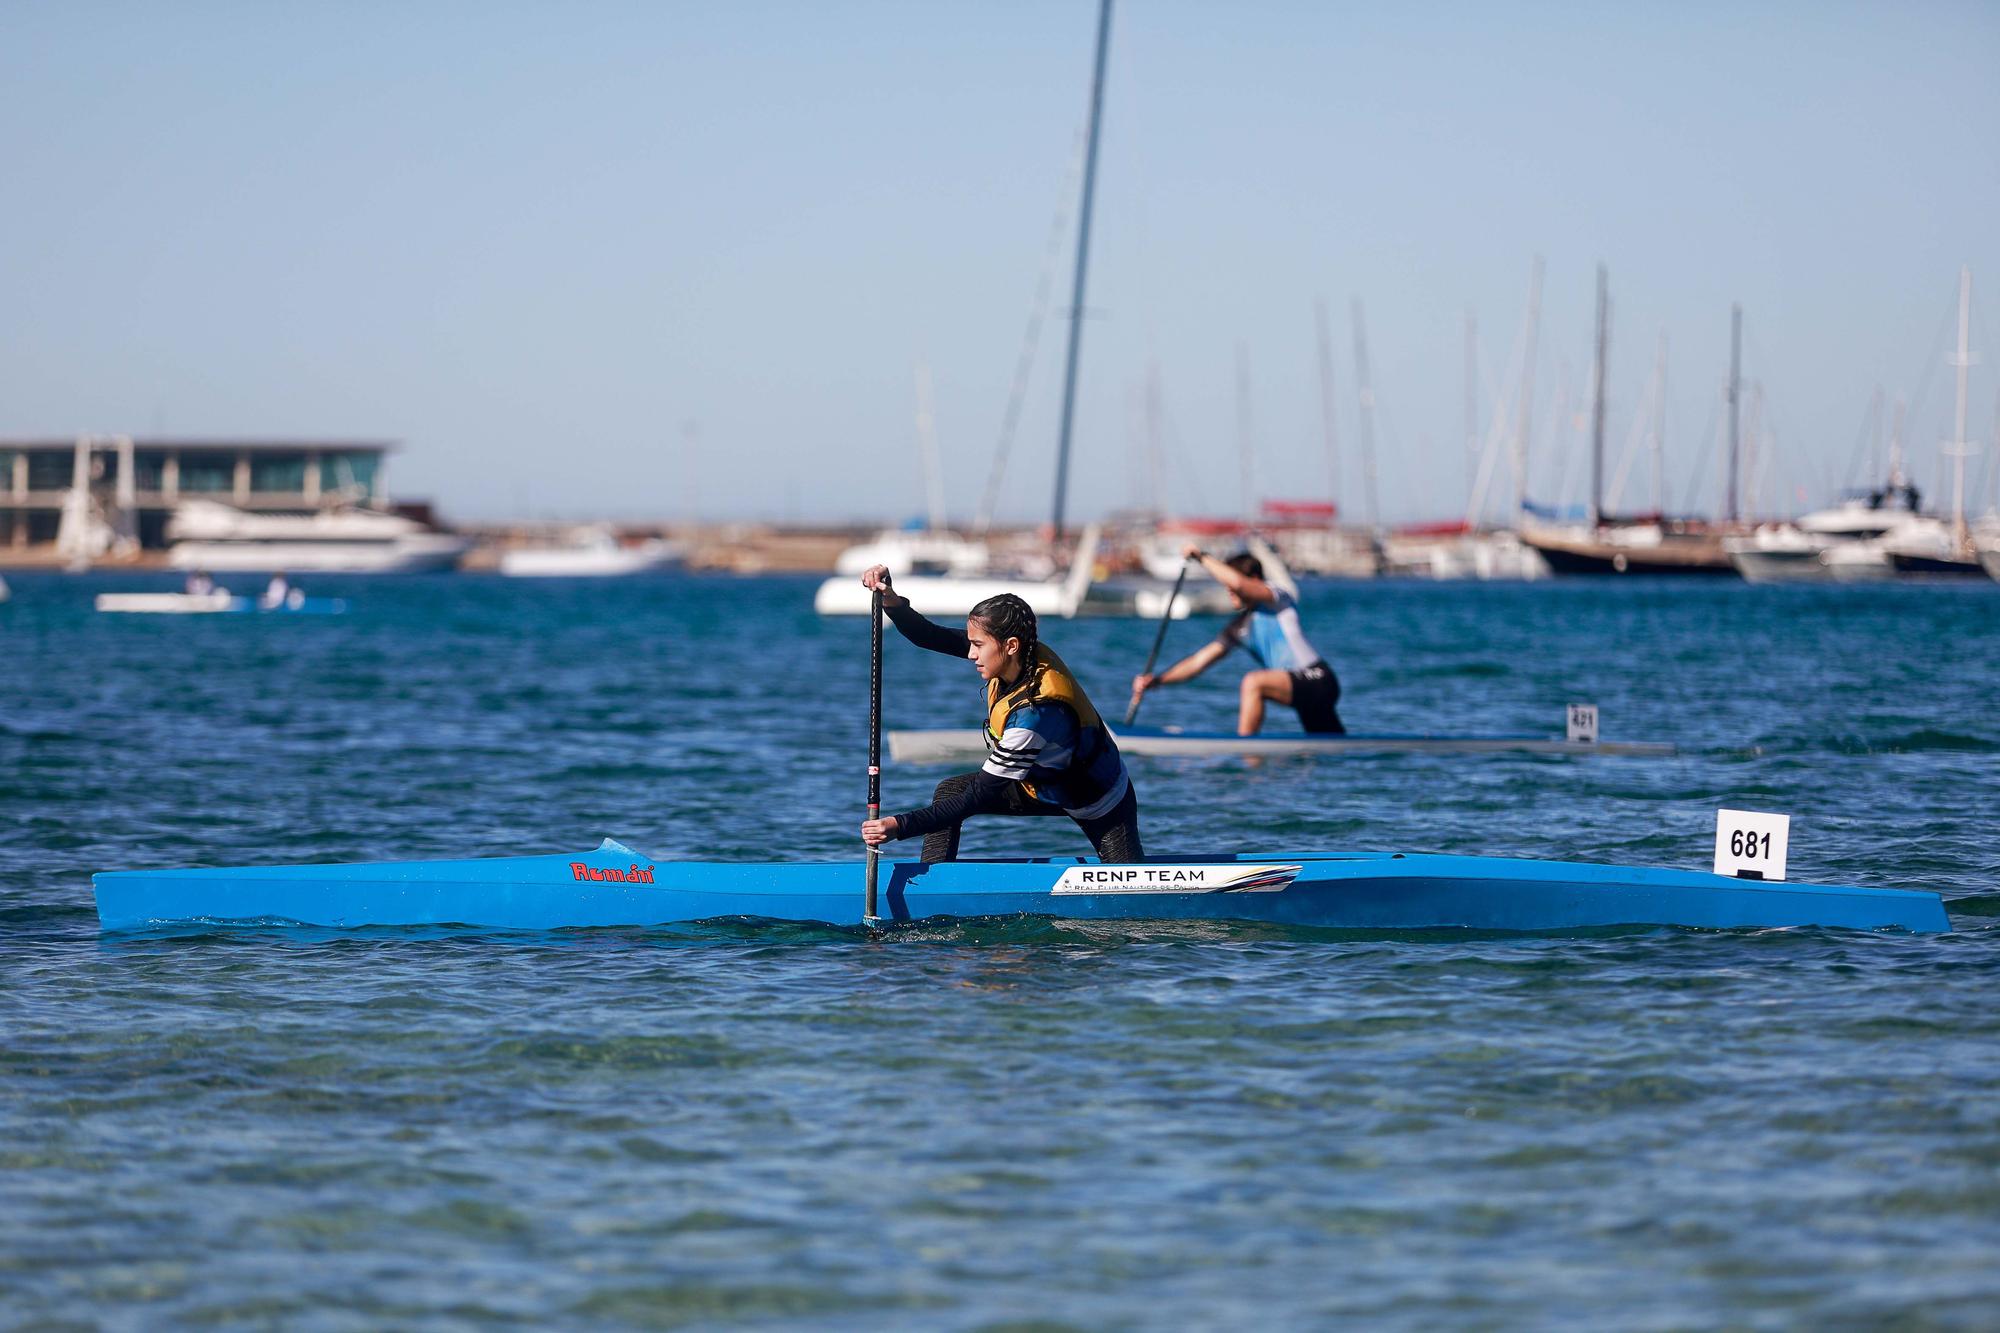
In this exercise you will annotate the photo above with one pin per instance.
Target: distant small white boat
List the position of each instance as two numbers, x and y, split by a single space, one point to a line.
590 553
917 552
171 603
949 595
219 602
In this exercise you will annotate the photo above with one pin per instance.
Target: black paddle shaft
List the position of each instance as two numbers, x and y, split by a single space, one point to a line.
874 743
1166 618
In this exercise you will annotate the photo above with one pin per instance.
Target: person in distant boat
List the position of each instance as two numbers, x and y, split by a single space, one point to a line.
1289 669
1047 749
281 593
198 584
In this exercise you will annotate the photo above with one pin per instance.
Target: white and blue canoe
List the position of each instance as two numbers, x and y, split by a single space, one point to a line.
965 745
1367 891
217 603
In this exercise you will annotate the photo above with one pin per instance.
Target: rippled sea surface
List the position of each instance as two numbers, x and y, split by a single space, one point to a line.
1004 1122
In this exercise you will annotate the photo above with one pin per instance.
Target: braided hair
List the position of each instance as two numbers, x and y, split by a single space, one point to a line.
1007 616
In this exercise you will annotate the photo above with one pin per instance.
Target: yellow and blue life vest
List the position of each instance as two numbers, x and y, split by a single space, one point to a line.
1044 732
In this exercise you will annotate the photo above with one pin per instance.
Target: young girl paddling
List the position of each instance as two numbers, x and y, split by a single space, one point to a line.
1047 752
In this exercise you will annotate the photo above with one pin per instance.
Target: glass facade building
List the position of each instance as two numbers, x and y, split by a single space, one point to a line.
266 476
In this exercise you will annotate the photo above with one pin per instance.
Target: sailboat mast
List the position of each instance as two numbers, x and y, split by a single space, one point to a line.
1524 422
1082 264
1958 447
927 450
1155 454
1245 444
1597 406
1876 417
1735 400
1326 410
1660 428
1366 389
1471 398
1896 478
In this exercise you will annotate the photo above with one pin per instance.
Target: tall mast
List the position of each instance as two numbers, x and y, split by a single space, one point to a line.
927 450
1896 478
1735 401
1245 449
1471 396
1660 429
1082 264
1524 421
1326 412
1597 405
1875 415
1958 448
1364 387
1753 449
1155 457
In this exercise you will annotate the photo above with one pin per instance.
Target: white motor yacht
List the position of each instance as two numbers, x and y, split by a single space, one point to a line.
221 538
1848 543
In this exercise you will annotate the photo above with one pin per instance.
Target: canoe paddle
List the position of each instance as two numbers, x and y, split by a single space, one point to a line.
1166 618
868 916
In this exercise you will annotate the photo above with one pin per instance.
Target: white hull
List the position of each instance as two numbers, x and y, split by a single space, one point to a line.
168 603
1781 566
1148 601
218 537
404 555
1858 562
1989 560
942 595
565 563
940 747
1499 557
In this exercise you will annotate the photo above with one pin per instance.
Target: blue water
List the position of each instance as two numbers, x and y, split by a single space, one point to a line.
990 1123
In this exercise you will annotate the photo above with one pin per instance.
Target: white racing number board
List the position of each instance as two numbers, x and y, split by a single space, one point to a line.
1750 844
1176 879
1583 723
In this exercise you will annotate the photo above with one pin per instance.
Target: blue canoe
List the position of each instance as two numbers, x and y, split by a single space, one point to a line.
616 886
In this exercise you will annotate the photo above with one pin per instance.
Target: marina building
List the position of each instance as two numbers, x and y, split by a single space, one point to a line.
141 480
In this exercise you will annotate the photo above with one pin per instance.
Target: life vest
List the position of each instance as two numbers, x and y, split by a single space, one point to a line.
1045 679
1048 680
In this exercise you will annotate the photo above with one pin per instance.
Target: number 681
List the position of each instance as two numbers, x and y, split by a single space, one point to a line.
1746 845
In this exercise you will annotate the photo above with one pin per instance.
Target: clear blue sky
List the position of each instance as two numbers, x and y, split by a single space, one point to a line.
559 248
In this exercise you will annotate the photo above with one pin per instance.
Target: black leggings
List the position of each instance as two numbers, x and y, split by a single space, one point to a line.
1115 836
